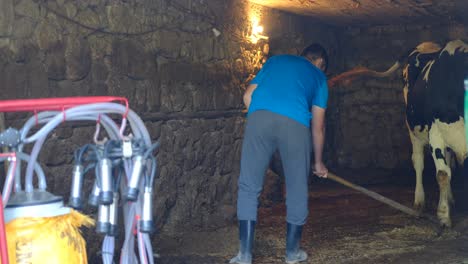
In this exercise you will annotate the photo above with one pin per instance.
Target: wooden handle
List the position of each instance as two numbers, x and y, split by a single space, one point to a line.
374 195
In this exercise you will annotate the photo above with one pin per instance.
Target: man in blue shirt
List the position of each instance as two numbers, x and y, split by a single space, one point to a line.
286 100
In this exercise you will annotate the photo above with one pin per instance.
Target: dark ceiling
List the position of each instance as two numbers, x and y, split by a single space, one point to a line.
375 12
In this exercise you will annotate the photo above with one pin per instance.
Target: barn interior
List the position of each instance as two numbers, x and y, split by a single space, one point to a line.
183 65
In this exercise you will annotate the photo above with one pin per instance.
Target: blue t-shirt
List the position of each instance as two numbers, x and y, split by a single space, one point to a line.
289 85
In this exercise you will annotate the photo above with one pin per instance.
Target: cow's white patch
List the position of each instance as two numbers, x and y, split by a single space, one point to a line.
405 88
413 52
417 61
427 69
453 135
428 47
455 45
421 134
405 73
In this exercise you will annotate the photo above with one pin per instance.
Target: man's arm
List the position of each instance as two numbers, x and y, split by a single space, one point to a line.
318 139
248 95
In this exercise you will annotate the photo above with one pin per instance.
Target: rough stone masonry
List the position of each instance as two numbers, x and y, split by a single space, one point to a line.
184 80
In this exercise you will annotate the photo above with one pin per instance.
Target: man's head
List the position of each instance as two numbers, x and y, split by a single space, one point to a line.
317 55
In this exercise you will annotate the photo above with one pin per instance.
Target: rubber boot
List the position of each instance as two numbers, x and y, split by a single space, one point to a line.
465 177
293 237
246 237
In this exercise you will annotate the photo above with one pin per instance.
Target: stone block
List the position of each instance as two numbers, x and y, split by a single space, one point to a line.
78 58
7 18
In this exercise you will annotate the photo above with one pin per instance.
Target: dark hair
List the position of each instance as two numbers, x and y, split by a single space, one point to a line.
316 51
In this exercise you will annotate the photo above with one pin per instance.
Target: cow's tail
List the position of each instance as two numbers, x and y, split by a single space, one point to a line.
388 72
351 75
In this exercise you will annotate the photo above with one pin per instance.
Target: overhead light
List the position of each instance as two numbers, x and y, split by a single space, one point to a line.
257 31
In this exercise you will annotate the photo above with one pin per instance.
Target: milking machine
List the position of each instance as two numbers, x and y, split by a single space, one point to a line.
122 165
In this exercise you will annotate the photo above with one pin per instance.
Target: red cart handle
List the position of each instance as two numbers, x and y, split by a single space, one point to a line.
56 104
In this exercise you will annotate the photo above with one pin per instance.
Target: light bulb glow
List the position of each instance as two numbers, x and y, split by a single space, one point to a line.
257 31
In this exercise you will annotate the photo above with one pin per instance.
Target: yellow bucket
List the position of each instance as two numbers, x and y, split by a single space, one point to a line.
51 240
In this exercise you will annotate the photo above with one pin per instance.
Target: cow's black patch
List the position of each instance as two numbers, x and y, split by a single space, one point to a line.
416 97
445 90
439 155
441 95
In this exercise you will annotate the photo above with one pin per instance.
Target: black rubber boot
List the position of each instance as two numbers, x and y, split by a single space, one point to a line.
293 238
246 237
465 176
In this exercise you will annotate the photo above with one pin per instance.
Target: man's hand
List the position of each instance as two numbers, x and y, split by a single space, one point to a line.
320 170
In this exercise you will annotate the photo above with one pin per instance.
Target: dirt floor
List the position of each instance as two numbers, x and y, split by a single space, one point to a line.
344 227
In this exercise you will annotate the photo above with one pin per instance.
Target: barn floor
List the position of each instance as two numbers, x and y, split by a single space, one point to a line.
344 227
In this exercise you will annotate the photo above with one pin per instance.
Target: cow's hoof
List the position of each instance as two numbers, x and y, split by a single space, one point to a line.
445 223
419 207
451 200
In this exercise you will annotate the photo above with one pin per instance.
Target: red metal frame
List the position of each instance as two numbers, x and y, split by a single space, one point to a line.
56 104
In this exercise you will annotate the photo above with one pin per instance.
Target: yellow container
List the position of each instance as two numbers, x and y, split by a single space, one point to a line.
51 240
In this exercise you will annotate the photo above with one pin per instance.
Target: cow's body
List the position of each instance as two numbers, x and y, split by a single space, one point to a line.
434 114
434 97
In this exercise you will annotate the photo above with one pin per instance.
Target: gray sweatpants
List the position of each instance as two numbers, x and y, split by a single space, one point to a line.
264 134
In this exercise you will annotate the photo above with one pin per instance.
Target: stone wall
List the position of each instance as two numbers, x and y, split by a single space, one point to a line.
183 64
368 117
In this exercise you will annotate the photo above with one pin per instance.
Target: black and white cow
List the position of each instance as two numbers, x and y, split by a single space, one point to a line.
434 96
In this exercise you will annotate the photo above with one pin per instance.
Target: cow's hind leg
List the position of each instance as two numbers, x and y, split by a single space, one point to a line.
451 163
443 175
418 164
454 136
